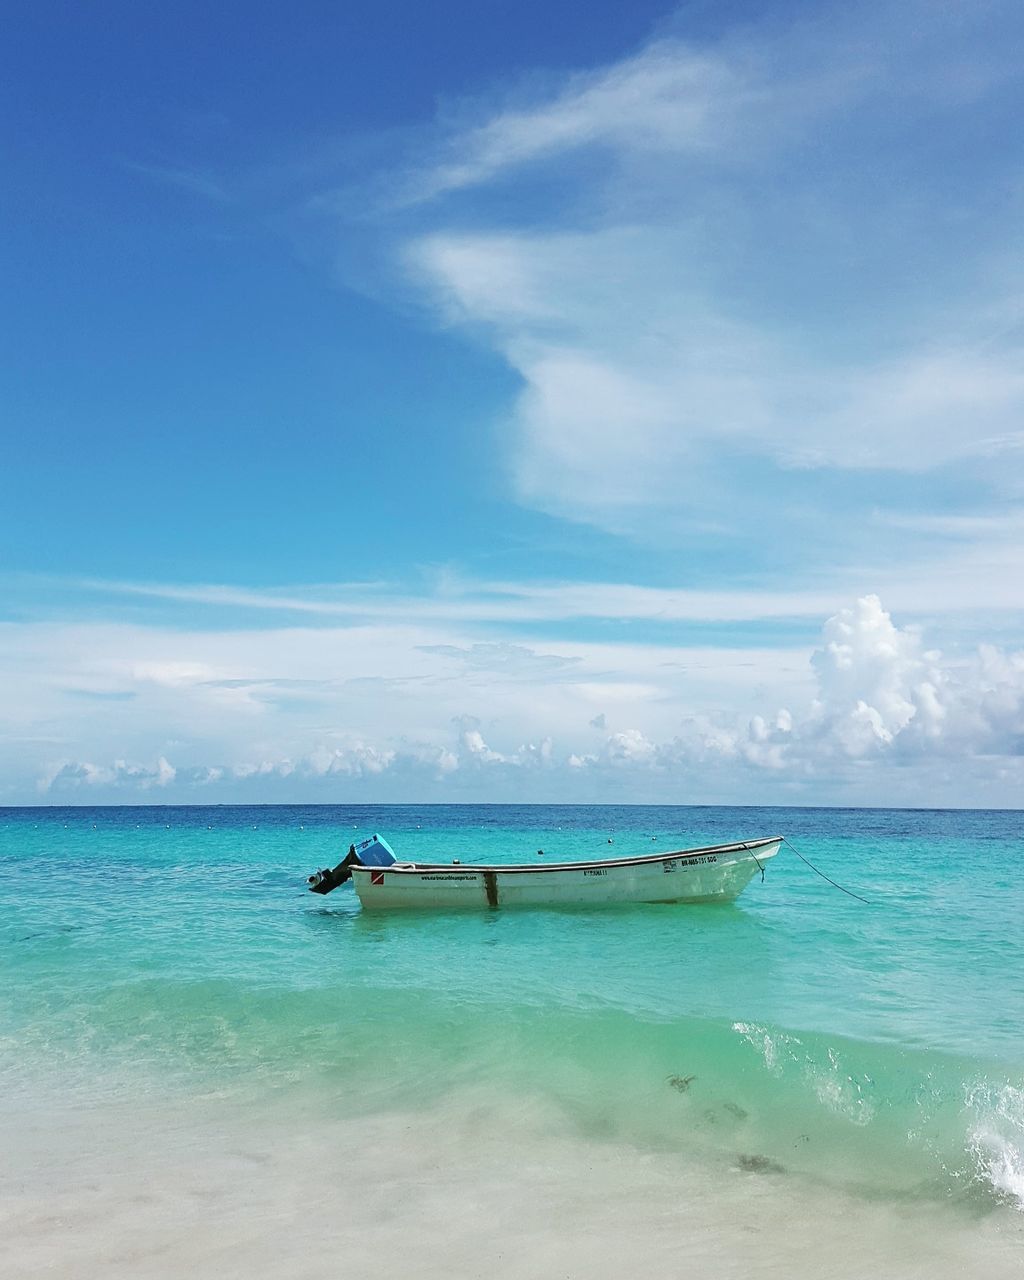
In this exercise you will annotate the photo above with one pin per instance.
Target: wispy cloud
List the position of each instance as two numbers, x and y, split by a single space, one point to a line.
192 181
513 661
668 98
743 269
971 568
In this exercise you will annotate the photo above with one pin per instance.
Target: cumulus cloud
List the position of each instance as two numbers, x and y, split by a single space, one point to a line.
473 748
882 691
876 695
355 761
874 682
72 775
879 693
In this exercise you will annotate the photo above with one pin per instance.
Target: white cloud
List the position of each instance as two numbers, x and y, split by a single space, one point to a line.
634 383
771 266
120 775
880 693
973 566
502 660
709 723
355 760
668 97
475 747
870 675
173 674
629 747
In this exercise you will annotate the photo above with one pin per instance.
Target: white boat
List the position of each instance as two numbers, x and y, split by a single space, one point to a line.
715 873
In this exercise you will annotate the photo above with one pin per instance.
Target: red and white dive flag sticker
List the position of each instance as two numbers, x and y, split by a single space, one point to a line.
376 877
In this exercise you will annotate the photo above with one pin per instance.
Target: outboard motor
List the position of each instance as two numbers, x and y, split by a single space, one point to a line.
329 878
374 852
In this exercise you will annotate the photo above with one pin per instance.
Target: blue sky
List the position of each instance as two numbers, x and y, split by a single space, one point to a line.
474 402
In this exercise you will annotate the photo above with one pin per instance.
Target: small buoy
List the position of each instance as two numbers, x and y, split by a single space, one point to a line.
610 841
540 853
456 862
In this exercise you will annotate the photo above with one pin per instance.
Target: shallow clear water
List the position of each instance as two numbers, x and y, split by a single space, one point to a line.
878 1050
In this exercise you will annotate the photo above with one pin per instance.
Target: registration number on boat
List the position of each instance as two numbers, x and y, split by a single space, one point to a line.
673 864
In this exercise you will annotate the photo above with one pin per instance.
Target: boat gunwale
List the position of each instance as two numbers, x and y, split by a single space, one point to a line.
416 868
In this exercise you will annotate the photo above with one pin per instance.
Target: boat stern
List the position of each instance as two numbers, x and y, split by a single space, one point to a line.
374 852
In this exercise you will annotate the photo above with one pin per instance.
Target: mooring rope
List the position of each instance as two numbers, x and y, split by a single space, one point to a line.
848 892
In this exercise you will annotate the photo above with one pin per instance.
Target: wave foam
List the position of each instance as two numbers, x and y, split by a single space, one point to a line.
996 1140
838 1090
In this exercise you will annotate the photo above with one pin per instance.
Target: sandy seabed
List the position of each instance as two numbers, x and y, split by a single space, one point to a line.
469 1187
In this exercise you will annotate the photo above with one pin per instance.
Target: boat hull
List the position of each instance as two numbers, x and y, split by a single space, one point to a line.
718 873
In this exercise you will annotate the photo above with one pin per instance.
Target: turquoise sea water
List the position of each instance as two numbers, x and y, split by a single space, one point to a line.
173 952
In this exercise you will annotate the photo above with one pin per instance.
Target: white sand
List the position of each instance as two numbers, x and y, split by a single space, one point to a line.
472 1188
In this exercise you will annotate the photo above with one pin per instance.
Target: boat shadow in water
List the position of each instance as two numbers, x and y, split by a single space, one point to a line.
491 925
